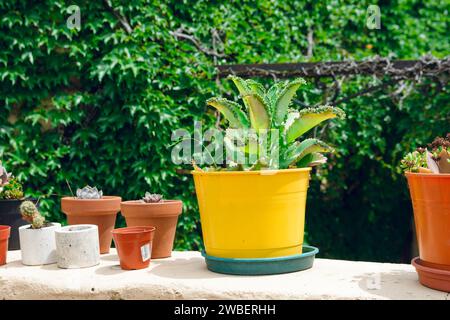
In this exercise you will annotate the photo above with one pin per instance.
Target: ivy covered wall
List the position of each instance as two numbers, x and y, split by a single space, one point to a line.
97 105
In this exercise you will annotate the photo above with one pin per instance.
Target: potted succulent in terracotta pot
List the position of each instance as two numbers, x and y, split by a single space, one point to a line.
428 173
4 236
134 246
37 239
90 206
153 210
11 197
253 205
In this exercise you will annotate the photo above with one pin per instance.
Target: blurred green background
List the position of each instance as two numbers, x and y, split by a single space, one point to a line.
98 105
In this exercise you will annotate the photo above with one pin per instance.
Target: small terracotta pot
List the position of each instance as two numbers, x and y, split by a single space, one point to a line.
162 215
5 231
134 246
101 212
430 195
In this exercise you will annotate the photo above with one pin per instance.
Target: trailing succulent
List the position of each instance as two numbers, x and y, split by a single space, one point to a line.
10 187
433 159
31 214
89 193
152 198
267 112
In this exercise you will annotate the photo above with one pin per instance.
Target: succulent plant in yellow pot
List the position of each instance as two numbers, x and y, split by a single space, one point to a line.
253 205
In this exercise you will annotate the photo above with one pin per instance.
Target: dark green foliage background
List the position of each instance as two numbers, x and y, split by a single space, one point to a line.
97 106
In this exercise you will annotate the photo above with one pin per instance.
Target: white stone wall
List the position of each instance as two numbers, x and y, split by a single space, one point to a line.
184 276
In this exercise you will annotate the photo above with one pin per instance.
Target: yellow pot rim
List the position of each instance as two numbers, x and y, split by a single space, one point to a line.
256 172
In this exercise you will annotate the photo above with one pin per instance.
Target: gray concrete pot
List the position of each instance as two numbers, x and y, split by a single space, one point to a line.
77 246
38 246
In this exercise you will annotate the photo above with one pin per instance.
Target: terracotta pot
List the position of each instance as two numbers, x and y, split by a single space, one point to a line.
4 236
162 215
430 194
101 212
134 246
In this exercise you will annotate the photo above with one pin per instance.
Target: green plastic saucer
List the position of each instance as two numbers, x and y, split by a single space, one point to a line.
262 266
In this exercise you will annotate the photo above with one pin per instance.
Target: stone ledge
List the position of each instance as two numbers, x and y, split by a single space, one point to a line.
184 276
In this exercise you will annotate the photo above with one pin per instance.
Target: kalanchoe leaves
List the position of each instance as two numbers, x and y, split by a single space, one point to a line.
267 131
252 93
152 197
258 110
312 160
231 111
283 100
257 87
89 193
298 123
241 84
297 151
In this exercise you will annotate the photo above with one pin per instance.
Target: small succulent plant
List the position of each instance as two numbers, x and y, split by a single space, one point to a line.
434 159
89 193
31 214
4 175
10 187
152 197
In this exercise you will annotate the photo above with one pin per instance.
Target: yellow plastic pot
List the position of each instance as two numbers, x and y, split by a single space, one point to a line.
252 214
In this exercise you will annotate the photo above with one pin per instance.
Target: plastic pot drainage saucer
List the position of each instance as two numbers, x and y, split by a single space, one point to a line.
262 266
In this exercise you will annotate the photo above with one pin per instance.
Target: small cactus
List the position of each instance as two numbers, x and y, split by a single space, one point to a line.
28 210
89 193
38 222
152 197
31 214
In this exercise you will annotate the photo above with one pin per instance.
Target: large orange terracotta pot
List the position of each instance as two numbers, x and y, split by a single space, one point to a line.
161 215
430 195
101 212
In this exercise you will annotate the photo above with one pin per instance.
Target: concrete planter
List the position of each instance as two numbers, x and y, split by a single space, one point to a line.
77 246
38 246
